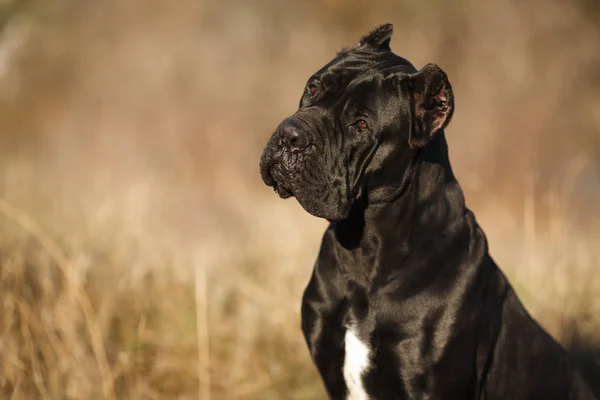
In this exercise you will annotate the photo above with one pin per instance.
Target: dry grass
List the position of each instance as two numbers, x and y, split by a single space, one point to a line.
142 258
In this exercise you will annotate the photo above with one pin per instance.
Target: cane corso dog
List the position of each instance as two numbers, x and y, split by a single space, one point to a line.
404 301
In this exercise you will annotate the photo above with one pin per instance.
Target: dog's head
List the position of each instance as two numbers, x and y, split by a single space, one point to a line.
361 119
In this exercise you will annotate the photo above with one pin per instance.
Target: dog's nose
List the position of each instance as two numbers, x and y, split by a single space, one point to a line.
292 136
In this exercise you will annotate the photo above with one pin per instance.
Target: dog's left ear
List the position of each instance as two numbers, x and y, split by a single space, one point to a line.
432 103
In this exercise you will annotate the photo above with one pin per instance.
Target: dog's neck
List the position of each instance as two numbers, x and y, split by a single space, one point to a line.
430 205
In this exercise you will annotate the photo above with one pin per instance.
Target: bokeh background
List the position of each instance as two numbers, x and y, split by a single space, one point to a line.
141 257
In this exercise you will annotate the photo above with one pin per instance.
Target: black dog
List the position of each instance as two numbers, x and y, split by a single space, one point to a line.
405 301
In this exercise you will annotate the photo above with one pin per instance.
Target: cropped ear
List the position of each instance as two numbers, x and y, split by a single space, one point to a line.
379 38
432 104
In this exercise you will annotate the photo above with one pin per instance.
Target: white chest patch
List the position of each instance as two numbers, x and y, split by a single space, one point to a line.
356 363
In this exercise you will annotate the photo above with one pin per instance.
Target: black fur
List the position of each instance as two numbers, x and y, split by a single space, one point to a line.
403 259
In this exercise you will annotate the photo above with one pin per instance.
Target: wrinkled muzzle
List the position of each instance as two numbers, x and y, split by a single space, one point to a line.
282 160
293 165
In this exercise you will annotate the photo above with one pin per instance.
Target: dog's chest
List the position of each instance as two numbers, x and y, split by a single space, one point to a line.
357 362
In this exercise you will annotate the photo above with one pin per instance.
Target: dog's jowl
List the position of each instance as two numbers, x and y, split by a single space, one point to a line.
404 301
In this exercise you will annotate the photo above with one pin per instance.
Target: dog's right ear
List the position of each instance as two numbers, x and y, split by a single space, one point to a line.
431 102
379 38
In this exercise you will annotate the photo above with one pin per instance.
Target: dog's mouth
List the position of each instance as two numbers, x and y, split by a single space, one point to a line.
272 175
277 182
287 174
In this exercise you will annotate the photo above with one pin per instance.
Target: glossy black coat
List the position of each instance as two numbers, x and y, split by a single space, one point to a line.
403 259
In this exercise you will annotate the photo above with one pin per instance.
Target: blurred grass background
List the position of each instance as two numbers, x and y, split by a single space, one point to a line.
141 257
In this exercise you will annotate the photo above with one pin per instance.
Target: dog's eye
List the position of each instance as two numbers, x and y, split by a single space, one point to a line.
312 90
361 124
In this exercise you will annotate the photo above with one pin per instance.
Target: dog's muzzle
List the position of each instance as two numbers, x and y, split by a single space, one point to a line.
292 136
284 155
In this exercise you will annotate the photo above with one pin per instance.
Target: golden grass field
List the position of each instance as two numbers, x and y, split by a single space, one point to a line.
141 257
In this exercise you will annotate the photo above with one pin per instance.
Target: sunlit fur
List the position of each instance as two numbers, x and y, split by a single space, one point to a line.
404 263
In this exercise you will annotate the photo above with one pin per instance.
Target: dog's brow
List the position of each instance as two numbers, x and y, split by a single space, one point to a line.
355 107
327 79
